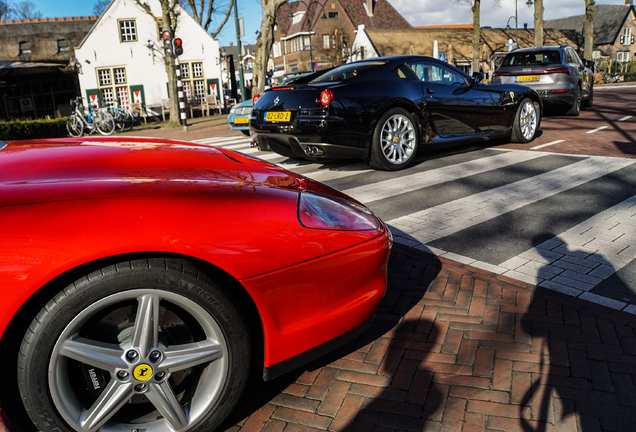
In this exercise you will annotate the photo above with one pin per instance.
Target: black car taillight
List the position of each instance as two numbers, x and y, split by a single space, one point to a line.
326 96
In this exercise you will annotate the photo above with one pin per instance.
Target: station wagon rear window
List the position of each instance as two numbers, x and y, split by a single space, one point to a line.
532 58
347 71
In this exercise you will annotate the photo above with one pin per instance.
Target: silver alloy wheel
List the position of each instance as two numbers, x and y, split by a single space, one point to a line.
398 139
140 366
528 120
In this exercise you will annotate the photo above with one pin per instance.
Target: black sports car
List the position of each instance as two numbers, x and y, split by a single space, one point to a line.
383 109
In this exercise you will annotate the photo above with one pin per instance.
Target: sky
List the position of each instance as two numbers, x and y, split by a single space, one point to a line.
494 13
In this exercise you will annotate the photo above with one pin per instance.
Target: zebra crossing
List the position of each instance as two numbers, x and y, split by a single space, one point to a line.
563 222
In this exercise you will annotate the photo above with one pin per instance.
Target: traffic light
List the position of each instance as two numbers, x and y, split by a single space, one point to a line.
178 46
167 42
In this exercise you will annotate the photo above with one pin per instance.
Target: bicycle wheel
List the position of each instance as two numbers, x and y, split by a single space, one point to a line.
129 120
74 126
105 124
118 116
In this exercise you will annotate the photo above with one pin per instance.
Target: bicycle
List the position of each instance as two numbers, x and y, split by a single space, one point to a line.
124 119
98 120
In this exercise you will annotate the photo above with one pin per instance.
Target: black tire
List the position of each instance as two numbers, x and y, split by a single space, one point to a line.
246 132
183 291
406 148
526 122
587 103
575 109
129 121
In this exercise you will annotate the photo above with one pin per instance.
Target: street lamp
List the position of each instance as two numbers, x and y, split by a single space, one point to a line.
529 3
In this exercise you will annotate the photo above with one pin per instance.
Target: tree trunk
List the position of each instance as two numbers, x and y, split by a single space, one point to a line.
264 43
588 30
538 23
476 35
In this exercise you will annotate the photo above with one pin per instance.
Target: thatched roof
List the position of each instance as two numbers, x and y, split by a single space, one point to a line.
420 41
608 22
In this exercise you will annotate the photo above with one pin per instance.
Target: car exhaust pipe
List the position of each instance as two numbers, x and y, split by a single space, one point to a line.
314 151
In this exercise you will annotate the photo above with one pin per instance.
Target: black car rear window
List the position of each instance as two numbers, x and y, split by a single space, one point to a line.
532 58
347 71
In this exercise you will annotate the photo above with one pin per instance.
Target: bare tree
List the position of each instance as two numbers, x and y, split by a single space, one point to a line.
338 51
24 10
264 43
204 10
4 10
168 22
588 29
476 35
100 7
538 23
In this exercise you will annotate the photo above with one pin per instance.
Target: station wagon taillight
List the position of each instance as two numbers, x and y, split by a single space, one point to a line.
563 70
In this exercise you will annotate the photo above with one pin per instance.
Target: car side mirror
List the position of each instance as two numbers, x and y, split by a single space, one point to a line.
478 77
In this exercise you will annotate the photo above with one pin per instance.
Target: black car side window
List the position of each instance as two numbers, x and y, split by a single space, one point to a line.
430 72
405 72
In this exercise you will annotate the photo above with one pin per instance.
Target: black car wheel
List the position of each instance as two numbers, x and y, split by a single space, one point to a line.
575 109
526 122
395 141
150 345
246 132
590 100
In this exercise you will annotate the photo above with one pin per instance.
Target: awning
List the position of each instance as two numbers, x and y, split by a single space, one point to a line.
22 65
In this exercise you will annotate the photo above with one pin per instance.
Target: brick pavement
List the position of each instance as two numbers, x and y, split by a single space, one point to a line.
455 348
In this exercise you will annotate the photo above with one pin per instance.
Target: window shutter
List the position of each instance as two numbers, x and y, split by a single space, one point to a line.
622 40
631 40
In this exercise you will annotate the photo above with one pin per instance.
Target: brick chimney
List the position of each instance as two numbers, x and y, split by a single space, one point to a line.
369 4
628 2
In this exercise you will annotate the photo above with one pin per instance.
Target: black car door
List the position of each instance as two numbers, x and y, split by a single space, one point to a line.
456 105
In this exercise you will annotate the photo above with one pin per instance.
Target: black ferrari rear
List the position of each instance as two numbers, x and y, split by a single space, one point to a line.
383 109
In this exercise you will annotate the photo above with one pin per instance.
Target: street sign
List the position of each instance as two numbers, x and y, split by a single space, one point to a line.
442 56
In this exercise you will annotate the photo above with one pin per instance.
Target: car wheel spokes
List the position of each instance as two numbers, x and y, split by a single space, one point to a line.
528 120
114 396
164 399
107 357
143 364
398 139
146 335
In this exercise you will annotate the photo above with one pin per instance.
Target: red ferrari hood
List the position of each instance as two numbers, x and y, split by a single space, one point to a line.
77 168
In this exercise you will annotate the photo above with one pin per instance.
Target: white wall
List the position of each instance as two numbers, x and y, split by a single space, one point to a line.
102 48
362 40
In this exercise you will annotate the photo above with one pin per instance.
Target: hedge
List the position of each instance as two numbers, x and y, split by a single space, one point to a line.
32 129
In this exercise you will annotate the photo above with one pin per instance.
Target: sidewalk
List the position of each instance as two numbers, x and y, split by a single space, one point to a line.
198 128
455 348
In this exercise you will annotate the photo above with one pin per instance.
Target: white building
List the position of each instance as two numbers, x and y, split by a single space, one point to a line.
122 57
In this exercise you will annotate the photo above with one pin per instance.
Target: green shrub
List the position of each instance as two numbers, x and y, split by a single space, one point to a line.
32 129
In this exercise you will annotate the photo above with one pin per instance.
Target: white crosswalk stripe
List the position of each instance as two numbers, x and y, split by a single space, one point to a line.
573 262
389 188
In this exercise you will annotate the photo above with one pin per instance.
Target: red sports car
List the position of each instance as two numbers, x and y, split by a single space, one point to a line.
141 279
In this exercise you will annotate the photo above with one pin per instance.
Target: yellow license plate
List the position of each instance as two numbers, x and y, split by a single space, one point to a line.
278 116
241 120
528 78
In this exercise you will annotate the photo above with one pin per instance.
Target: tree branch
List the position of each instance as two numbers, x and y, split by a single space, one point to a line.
227 16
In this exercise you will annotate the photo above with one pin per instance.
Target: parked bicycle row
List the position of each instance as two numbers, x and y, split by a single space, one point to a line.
103 120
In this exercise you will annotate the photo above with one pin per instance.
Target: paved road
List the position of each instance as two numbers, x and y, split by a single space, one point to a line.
558 212
485 325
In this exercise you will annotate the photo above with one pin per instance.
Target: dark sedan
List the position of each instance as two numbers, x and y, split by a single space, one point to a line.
383 109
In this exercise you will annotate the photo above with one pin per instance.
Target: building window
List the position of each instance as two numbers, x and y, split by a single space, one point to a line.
622 56
627 38
113 87
326 42
293 68
25 48
128 31
192 78
333 14
277 49
306 43
62 46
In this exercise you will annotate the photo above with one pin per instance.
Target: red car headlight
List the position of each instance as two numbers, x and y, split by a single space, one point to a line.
326 212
